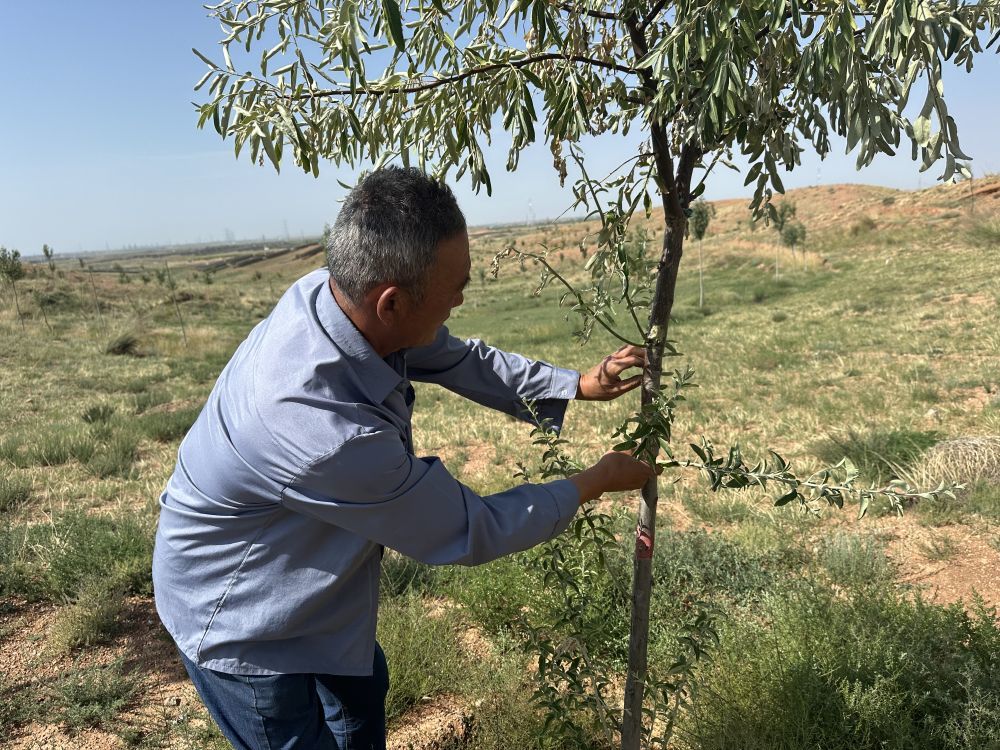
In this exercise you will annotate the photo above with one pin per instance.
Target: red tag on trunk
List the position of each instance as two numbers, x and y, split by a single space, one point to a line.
643 544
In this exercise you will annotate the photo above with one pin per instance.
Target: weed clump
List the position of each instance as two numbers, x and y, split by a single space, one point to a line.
880 455
93 696
51 561
92 617
165 427
127 344
862 670
98 414
963 460
14 492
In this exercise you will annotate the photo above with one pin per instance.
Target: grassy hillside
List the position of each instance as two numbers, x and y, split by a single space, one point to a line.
877 339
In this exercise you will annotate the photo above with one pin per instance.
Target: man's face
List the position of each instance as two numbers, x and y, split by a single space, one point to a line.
448 279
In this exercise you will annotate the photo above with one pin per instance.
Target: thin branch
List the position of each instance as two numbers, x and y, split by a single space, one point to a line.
579 297
523 62
651 16
588 12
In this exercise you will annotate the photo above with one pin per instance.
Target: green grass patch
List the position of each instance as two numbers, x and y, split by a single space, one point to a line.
14 492
423 652
854 560
116 457
168 426
91 618
879 455
869 670
51 561
93 696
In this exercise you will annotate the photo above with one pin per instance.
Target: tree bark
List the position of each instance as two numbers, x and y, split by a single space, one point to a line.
674 195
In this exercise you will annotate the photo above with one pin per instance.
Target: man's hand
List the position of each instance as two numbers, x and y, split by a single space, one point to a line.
615 472
603 382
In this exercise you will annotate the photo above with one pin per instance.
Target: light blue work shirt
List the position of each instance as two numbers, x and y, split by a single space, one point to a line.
301 467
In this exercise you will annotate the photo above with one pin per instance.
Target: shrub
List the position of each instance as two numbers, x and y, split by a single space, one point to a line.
92 617
98 414
125 344
93 696
51 561
165 427
855 561
864 225
14 492
966 460
880 454
863 671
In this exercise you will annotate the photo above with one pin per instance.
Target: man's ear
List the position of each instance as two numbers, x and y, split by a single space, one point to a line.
389 304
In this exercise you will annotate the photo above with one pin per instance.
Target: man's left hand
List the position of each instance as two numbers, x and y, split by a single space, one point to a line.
603 382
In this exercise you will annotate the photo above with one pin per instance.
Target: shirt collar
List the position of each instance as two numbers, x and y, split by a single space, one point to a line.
377 377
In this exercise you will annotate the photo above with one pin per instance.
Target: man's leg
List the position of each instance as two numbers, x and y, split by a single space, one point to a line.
355 706
280 712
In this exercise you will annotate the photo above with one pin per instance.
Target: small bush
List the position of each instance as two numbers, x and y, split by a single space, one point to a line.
864 225
14 492
985 233
963 460
863 671
93 696
59 446
888 200
879 455
127 344
423 651
855 561
98 414
51 561
165 427
92 618
116 458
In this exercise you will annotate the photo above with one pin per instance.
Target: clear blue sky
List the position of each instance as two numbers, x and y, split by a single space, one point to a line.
100 147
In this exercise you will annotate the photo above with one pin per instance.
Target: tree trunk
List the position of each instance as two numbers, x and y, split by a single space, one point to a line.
17 304
701 278
659 317
97 303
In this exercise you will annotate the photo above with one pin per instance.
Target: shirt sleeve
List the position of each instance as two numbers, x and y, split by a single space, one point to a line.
494 378
374 488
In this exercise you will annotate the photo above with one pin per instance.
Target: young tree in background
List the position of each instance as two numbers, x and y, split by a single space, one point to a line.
701 215
49 254
784 211
12 269
426 80
792 235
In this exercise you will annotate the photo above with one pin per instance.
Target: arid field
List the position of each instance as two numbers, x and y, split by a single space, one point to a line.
878 339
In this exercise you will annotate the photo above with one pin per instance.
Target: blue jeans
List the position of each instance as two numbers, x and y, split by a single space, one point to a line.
297 711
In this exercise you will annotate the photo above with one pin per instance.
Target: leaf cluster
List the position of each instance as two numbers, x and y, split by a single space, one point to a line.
11 267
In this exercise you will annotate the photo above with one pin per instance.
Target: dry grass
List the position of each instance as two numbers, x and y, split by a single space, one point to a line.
962 460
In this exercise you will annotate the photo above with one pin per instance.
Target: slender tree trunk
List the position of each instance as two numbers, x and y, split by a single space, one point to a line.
45 315
97 304
671 188
17 305
701 278
177 308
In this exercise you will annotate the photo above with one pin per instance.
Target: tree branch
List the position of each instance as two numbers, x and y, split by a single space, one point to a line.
588 12
521 63
651 16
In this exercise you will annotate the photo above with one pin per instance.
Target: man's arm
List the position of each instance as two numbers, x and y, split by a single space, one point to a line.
372 487
494 378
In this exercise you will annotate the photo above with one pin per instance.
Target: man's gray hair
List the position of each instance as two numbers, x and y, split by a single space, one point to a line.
388 231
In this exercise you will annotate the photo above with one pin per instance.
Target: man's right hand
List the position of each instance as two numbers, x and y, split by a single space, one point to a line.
613 473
